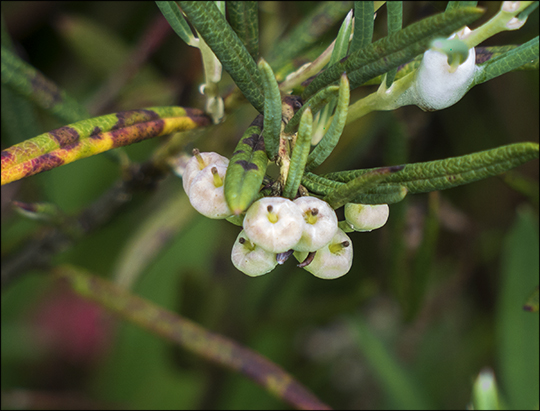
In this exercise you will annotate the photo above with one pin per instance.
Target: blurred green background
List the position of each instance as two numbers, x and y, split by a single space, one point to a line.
432 298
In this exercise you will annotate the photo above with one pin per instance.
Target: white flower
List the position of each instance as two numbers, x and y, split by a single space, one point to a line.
333 260
320 223
274 223
366 217
206 192
250 258
197 163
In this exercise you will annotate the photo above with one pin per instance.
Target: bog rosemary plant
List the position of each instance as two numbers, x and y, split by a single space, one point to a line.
431 63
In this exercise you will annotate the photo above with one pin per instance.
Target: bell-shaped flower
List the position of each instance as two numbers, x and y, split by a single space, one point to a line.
366 217
332 261
206 192
274 223
320 223
197 163
250 258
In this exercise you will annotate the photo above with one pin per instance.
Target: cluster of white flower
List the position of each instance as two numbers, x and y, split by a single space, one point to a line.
276 227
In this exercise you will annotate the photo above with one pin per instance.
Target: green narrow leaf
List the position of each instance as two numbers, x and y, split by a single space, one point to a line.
528 10
331 138
456 4
308 31
246 168
31 84
228 48
316 102
18 116
518 330
299 155
363 25
340 50
175 18
485 391
377 195
272 110
453 171
342 40
511 60
94 136
349 192
395 49
244 19
395 22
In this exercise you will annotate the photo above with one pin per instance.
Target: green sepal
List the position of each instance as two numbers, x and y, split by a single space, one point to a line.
299 155
331 138
246 169
272 110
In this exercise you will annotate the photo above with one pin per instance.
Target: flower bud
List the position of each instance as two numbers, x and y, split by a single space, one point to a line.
206 192
366 217
274 223
320 223
333 260
250 258
197 163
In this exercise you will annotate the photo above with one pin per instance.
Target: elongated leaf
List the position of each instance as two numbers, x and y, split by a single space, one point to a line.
395 22
517 333
272 110
174 16
244 19
528 10
511 60
375 195
228 48
456 4
93 136
308 31
342 40
316 102
246 168
191 336
395 49
453 171
351 190
483 54
363 25
340 51
299 155
331 138
30 83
